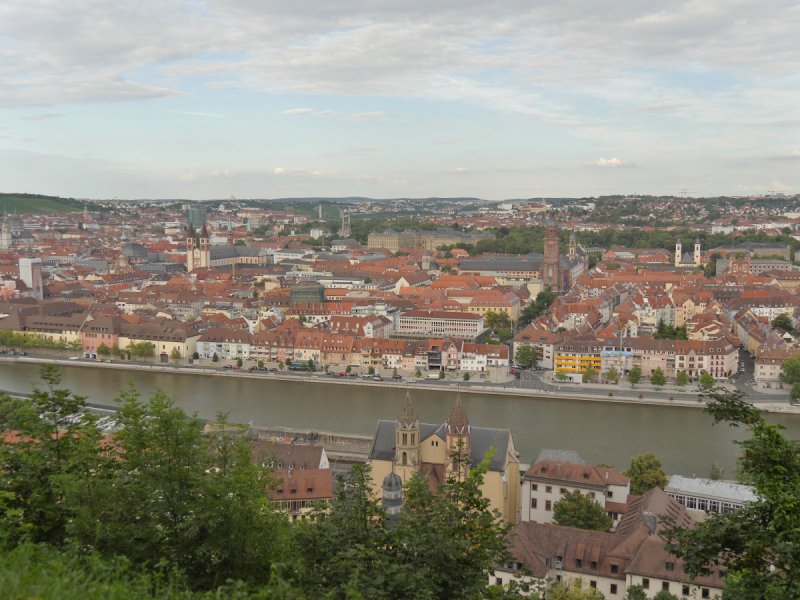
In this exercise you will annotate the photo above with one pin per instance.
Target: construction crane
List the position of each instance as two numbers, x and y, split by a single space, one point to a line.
684 191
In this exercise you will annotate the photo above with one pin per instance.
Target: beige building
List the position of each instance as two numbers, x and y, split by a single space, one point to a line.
406 446
769 365
422 240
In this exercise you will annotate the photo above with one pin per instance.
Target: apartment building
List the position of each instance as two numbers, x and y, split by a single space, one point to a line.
430 323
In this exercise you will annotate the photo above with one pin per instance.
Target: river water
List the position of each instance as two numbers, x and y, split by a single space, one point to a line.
683 438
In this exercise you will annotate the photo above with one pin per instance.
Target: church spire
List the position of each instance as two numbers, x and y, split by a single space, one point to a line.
458 423
408 419
204 231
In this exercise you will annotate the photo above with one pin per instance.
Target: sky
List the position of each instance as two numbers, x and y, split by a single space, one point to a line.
516 99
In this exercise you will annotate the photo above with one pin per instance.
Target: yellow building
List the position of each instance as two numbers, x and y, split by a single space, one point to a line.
407 446
574 356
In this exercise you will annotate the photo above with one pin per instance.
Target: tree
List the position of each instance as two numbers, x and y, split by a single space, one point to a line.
504 335
417 373
716 472
288 362
14 412
466 376
326 368
581 512
645 473
526 356
758 542
115 351
783 321
588 374
790 370
302 318
310 364
281 366
175 354
634 375
612 375
348 369
441 374
215 358
658 378
795 393
103 350
260 364
636 592
707 381
239 362
573 589
371 371
368 279
394 372
491 319
681 379
561 376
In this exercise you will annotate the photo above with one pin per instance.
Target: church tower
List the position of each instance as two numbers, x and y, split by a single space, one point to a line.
551 268
205 250
457 431
190 248
573 246
249 240
678 251
697 251
230 233
407 441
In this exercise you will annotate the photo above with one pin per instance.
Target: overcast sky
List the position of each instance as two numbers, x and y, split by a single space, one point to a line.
268 98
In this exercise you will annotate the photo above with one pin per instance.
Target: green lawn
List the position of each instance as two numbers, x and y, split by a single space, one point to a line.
34 204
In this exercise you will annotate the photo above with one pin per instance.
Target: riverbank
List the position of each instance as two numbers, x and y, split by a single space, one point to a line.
581 394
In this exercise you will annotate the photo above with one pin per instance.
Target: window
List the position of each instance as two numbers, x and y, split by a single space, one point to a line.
593 565
705 593
591 495
294 492
547 505
548 489
593 584
405 458
578 563
534 502
563 491
685 590
534 487
498 581
610 494
614 569
670 566
646 584
723 574
613 588
665 586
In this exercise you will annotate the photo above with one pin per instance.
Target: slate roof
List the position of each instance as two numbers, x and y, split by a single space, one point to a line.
563 456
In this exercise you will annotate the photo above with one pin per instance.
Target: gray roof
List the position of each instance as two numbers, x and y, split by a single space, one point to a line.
687 259
134 250
564 456
220 252
481 439
719 490
753 245
529 262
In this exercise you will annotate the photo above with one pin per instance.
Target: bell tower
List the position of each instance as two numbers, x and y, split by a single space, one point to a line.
678 251
697 253
249 240
407 441
205 250
457 438
551 267
230 233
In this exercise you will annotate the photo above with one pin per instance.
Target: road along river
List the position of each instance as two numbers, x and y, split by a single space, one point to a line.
683 438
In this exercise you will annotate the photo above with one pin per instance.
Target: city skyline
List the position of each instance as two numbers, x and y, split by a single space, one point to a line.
210 100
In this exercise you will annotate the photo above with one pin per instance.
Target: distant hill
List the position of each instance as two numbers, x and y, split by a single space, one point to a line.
38 204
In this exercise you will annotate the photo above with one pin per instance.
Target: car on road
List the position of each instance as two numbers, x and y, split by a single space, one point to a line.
74 357
342 374
353 374
107 360
397 377
227 367
377 378
98 360
330 374
411 381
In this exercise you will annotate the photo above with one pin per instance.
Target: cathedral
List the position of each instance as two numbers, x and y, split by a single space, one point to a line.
203 255
406 446
13 232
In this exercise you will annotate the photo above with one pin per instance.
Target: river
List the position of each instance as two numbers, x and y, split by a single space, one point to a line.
683 438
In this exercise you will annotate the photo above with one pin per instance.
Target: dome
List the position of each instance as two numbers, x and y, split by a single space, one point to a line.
392 482
134 250
551 222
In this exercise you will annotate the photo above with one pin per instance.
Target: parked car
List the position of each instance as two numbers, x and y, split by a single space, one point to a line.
397 377
74 357
24 353
377 378
330 374
108 360
227 367
353 374
342 374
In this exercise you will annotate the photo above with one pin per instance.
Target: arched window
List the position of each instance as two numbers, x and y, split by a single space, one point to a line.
405 439
405 458
413 435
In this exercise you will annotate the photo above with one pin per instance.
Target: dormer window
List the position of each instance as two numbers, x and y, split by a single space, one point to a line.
586 474
544 470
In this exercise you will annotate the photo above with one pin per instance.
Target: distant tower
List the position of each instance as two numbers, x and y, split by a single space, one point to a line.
407 441
457 433
678 251
345 230
426 261
30 271
204 253
230 233
85 212
320 212
392 496
551 267
573 247
191 247
697 251
249 241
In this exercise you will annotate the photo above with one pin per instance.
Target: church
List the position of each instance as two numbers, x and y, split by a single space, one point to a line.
405 446
13 232
203 255
688 260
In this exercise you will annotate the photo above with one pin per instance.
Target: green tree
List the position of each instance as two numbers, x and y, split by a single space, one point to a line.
707 381
394 372
645 473
302 318
367 279
504 335
260 364
418 373
441 374
588 374
790 370
681 379
716 472
783 321
636 592
573 589
175 354
371 371
103 350
581 512
348 369
310 364
115 351
239 362
288 362
758 543
658 378
635 375
795 393
561 376
491 319
526 356
215 358
466 376
612 375
196 356
14 412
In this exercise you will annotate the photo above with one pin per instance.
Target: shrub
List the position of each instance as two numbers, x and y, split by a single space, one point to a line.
610 394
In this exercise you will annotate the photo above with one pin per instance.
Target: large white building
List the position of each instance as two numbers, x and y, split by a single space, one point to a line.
709 495
431 323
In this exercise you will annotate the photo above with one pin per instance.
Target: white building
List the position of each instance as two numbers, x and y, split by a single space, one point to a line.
709 495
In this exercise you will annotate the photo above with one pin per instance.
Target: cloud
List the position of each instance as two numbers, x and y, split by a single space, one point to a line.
298 111
279 170
366 116
780 187
324 113
226 173
41 117
198 114
611 163
459 170
350 151
794 155
187 177
653 109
